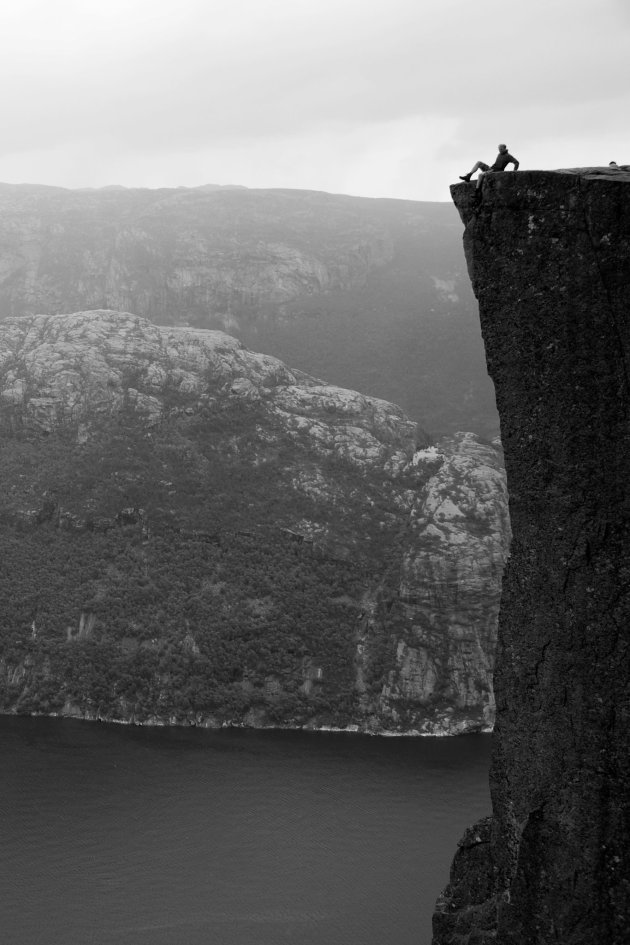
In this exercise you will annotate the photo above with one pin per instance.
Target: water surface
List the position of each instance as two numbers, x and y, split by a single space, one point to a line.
113 835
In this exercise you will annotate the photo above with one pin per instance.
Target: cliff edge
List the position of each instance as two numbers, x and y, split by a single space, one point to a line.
548 254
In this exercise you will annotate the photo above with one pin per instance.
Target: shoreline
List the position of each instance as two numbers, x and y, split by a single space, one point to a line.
215 725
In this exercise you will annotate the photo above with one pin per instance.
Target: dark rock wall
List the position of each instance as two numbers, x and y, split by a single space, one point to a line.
549 258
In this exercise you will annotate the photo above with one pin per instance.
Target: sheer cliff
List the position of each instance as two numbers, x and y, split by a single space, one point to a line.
195 533
549 259
370 294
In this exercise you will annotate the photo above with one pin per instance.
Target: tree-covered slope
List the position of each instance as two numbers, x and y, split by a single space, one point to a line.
193 532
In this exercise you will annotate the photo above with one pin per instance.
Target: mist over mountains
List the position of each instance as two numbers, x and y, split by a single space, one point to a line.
367 294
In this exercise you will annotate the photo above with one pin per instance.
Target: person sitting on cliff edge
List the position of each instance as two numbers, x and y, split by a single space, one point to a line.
502 160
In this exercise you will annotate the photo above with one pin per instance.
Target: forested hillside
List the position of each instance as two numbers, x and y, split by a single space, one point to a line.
192 532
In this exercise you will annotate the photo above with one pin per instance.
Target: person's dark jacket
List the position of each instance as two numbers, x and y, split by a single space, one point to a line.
504 158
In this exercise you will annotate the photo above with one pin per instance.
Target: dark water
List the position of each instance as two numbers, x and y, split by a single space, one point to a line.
119 836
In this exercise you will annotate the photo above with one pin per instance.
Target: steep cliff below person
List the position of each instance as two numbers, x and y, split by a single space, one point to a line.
194 533
549 259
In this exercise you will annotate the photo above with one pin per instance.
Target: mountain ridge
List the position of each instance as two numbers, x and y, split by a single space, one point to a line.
369 293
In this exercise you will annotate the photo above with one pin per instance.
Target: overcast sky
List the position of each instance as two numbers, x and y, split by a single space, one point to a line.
380 98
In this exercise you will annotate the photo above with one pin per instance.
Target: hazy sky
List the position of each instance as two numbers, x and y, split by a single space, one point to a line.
382 98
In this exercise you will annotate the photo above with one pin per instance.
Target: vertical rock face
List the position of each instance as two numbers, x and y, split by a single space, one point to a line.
451 581
549 258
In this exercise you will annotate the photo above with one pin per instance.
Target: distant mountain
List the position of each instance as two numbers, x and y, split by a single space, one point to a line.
368 294
195 533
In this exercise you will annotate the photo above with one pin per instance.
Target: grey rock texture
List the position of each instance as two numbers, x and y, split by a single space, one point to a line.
549 259
111 423
70 370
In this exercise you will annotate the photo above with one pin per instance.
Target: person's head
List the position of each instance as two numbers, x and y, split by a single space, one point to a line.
502 148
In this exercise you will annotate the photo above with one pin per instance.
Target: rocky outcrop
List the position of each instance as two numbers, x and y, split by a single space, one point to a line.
340 569
73 371
451 578
369 294
549 258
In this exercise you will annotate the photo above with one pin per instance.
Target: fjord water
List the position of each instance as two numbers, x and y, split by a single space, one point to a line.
113 835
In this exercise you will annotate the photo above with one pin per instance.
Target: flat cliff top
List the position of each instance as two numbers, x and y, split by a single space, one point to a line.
551 187
618 172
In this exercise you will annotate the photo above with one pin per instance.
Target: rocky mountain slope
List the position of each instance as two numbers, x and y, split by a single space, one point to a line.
193 532
368 294
549 258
